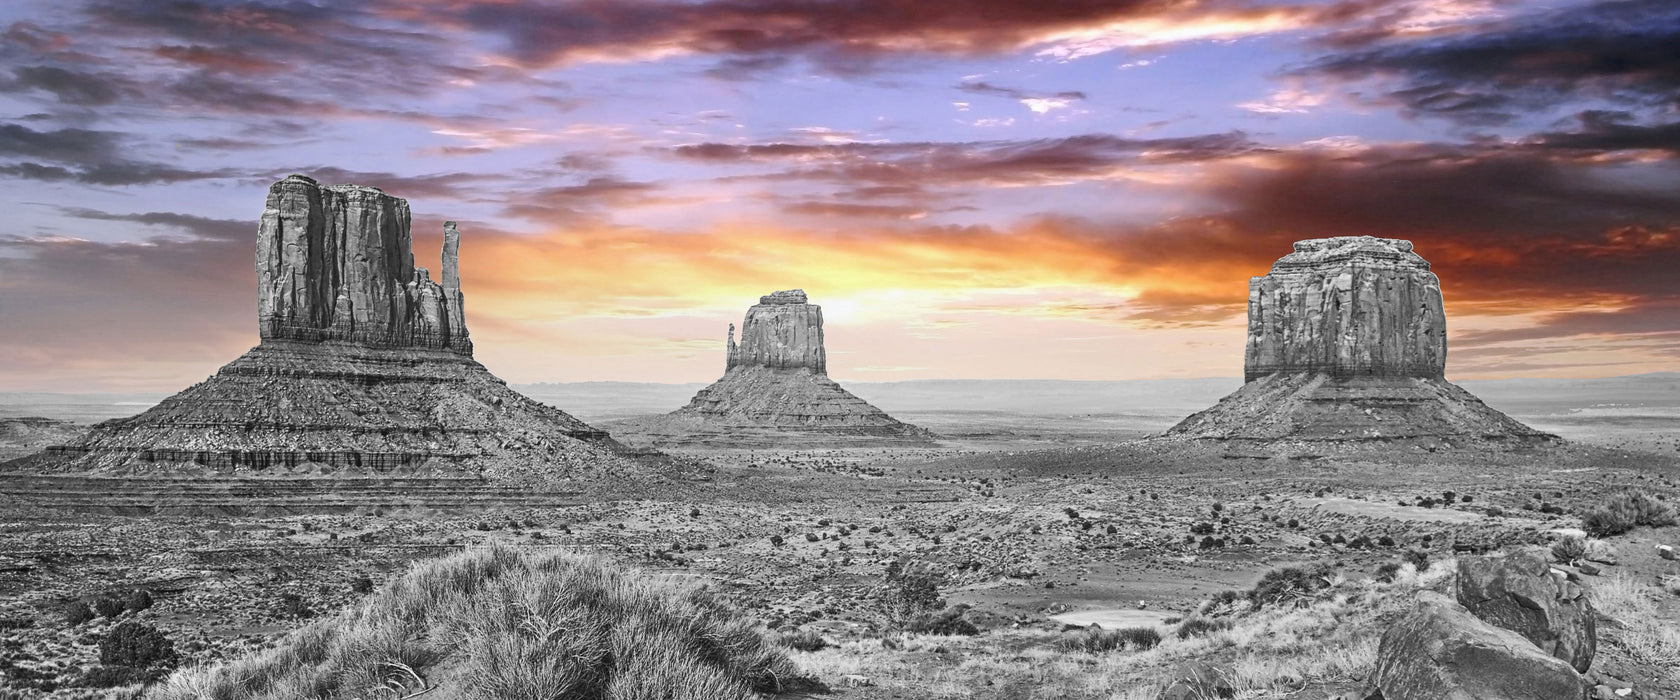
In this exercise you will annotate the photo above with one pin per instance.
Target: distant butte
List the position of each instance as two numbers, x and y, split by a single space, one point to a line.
364 370
1347 341
775 390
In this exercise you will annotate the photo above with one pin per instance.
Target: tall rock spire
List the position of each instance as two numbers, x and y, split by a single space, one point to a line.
783 331
452 298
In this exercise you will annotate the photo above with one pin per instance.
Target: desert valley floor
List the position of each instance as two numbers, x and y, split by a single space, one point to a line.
1038 509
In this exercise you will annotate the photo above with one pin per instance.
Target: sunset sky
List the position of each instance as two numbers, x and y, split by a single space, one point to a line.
991 189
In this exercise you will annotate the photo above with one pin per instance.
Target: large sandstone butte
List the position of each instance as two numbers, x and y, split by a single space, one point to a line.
775 390
364 370
1347 342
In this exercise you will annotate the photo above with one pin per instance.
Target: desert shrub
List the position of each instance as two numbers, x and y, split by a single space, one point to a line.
776 540
76 613
1097 641
139 600
803 640
109 607
498 623
1625 511
1199 626
1223 602
1387 572
1201 529
1294 585
294 606
361 585
115 676
1418 558
949 622
1569 550
911 592
136 645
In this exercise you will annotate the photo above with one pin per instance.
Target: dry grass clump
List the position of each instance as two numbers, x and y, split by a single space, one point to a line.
1623 512
1097 641
1639 630
496 623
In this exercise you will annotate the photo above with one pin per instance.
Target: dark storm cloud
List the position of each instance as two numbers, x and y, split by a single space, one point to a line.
580 203
197 226
841 36
985 88
70 87
1014 162
1602 131
86 156
1624 51
62 145
1652 317
441 185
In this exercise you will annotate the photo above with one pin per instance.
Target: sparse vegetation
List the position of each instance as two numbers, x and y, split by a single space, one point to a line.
1569 550
1623 512
1097 641
1290 585
509 625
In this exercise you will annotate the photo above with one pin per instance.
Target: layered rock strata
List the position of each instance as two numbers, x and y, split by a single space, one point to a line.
776 388
1347 342
1348 306
365 368
336 263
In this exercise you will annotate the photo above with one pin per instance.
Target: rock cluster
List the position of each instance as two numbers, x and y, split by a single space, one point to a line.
336 263
775 390
1518 630
1347 342
365 369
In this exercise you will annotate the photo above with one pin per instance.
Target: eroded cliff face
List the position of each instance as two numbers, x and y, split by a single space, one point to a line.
336 262
1347 307
781 331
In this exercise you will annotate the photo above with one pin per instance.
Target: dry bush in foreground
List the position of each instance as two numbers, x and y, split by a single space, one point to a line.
1626 511
496 623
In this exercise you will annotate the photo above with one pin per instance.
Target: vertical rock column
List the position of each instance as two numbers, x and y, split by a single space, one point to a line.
337 263
782 331
452 298
1347 306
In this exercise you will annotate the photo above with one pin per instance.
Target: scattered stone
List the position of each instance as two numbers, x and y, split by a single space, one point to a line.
1588 568
1520 592
1667 552
1438 650
1347 341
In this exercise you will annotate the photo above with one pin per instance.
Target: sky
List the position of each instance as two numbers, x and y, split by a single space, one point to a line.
1071 189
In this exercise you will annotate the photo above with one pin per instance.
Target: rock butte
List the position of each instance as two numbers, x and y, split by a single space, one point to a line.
364 369
1347 341
775 388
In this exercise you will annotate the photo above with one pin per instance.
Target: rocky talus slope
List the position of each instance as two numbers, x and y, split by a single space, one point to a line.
1347 342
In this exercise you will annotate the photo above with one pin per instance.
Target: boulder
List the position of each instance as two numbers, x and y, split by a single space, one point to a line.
1601 552
1520 592
1439 651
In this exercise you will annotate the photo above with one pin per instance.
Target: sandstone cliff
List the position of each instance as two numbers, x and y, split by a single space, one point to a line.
782 331
336 263
1347 342
1348 306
